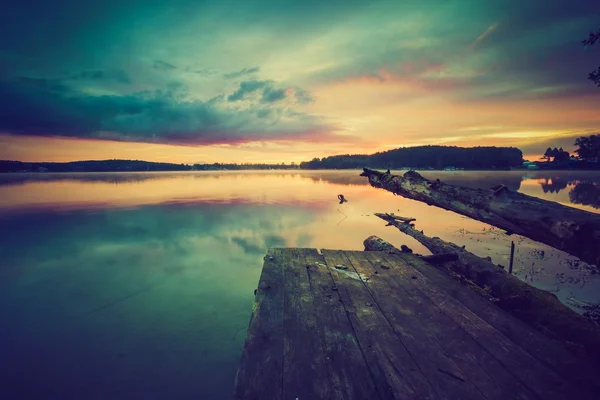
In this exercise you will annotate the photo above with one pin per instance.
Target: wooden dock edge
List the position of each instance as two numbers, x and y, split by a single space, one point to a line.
266 324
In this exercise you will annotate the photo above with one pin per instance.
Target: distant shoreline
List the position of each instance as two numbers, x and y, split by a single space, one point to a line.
288 170
147 166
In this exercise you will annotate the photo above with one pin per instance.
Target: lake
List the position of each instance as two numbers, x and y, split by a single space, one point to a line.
140 285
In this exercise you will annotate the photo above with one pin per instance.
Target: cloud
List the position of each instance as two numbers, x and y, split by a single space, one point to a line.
48 107
200 71
246 88
271 92
99 75
163 65
552 72
186 66
243 72
271 95
525 51
303 96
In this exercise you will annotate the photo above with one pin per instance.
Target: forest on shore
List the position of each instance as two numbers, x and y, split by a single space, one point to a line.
420 157
430 157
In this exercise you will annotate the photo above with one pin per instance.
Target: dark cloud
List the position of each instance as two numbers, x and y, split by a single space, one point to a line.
200 71
243 72
271 92
491 71
524 50
163 65
99 75
47 107
547 23
246 88
271 95
43 84
557 71
303 96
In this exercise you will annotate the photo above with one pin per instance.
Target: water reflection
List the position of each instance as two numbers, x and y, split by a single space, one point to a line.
587 193
553 185
581 191
141 285
480 179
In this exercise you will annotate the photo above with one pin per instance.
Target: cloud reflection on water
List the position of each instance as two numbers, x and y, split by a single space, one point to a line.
142 283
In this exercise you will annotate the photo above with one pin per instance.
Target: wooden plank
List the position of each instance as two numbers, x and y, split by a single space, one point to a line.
418 331
348 371
484 371
442 373
395 373
549 352
260 373
532 373
304 370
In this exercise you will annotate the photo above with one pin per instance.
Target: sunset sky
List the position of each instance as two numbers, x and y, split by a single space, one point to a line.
251 81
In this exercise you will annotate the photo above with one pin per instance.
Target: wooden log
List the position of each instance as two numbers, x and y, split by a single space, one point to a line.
374 243
574 231
440 258
403 219
538 308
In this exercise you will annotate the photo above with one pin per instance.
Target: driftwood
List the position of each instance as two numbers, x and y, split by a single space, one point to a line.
574 231
374 243
538 308
440 258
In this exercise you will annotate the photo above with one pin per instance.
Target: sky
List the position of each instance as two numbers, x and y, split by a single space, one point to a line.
191 81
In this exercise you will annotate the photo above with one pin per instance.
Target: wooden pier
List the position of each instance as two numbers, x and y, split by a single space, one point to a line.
372 325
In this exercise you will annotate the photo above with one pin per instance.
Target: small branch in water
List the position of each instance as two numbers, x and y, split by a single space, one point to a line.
512 257
403 219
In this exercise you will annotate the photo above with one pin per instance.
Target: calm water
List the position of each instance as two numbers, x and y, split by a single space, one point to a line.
140 286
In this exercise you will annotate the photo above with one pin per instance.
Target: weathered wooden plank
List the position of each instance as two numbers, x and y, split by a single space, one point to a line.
421 341
544 349
532 373
394 371
304 370
538 308
484 371
260 372
348 371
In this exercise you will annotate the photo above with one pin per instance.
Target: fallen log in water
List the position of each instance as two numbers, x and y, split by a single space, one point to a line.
374 243
574 231
536 307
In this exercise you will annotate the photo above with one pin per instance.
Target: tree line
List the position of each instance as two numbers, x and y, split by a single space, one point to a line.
587 150
421 157
90 166
425 157
129 166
